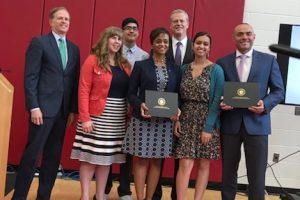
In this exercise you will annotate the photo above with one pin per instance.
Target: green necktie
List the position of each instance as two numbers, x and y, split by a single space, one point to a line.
63 53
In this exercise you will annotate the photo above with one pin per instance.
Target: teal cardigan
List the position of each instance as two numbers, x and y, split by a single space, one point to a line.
216 91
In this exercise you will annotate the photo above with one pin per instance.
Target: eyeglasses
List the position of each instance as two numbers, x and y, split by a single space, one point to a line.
128 28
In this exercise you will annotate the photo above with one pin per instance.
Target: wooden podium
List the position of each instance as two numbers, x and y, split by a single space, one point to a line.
6 103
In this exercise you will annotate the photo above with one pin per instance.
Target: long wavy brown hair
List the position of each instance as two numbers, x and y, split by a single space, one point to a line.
100 49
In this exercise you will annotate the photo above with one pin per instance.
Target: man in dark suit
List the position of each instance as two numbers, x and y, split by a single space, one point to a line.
179 52
179 20
250 126
51 81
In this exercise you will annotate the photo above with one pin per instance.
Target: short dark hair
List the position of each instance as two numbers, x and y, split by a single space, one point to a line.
155 33
129 20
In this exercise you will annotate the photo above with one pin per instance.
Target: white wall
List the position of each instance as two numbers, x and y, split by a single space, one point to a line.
265 17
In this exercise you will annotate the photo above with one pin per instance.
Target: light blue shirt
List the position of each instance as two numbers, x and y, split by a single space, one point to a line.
134 54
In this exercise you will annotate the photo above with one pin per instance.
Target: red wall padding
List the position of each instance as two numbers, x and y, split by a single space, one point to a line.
19 22
88 19
112 12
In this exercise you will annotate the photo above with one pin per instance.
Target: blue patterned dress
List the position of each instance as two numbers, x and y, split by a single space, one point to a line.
151 138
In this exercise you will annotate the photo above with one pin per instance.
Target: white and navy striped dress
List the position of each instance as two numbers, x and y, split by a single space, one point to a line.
103 145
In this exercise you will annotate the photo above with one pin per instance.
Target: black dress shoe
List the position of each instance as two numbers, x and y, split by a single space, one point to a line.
94 198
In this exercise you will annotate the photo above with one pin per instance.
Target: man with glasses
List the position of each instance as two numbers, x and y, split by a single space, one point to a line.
133 53
130 34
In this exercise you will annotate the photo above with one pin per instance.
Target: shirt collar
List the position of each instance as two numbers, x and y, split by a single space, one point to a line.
57 37
133 49
183 41
248 54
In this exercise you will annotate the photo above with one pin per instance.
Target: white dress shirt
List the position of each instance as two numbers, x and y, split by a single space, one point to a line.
182 47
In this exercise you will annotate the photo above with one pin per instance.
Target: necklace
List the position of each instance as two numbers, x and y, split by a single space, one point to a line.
160 61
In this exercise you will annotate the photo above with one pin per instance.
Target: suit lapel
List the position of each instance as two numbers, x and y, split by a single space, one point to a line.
254 66
232 69
54 46
69 47
188 52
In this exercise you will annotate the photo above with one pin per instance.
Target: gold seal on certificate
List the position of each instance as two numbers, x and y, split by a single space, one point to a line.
161 104
241 94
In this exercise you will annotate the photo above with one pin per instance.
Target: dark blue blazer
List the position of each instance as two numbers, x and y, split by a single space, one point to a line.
143 78
47 85
265 71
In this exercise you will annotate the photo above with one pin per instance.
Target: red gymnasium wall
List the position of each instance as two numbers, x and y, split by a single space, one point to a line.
21 20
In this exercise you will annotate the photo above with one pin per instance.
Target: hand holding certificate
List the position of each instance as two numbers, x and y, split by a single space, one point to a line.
161 104
144 111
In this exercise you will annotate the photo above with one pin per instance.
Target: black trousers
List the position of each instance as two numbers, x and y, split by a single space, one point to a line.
45 140
125 178
256 155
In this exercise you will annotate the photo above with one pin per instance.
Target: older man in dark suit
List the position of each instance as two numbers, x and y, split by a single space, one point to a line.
250 126
51 81
180 49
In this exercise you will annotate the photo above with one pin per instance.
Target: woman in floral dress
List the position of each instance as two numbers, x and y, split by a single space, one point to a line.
197 129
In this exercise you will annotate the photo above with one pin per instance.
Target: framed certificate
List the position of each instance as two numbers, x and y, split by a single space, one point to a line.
161 104
241 94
